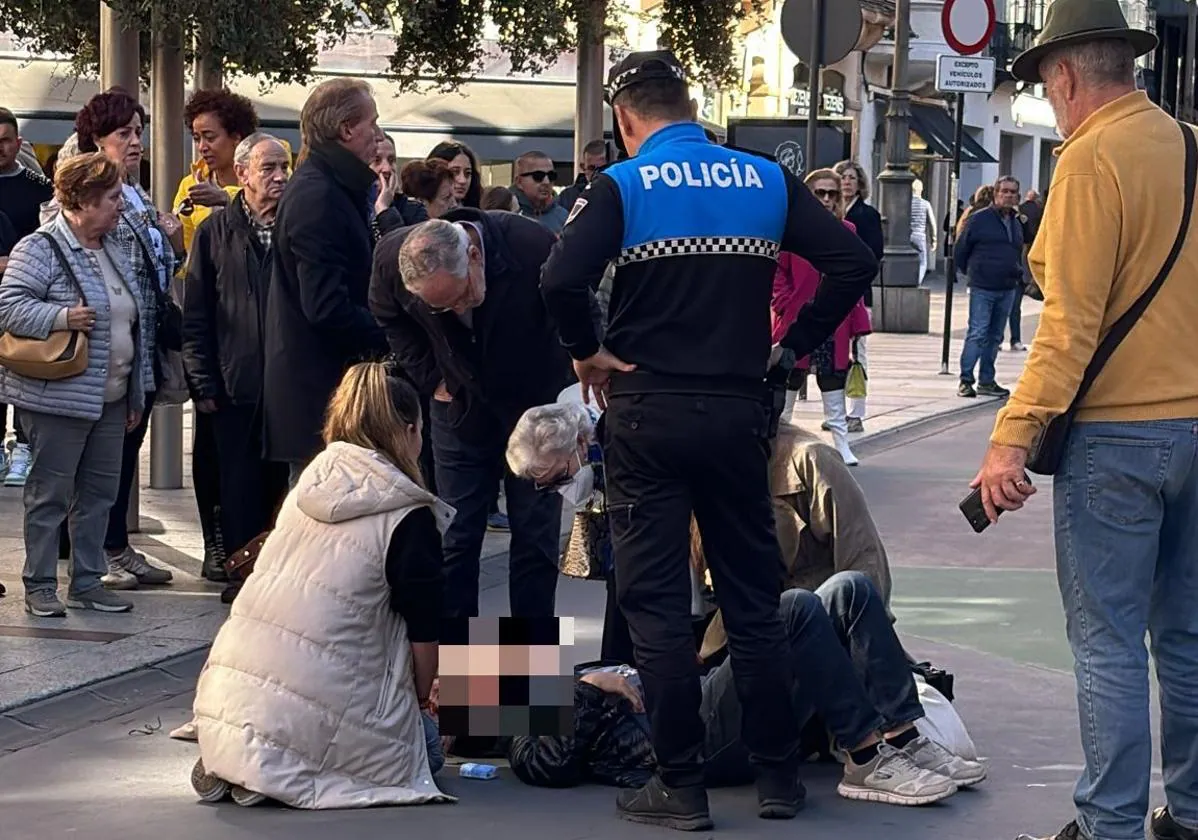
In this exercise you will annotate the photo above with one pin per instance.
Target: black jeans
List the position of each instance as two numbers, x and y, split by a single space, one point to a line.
250 486
117 537
849 668
666 455
468 475
428 466
1016 319
206 480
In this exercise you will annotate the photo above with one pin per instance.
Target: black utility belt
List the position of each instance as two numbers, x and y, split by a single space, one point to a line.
639 383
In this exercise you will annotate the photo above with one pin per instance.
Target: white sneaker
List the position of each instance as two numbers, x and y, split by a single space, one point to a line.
894 779
19 462
933 756
117 577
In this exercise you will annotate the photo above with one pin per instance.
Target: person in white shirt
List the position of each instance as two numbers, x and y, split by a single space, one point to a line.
923 227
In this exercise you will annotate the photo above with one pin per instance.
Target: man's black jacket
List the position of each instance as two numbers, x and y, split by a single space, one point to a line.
511 360
316 322
227 280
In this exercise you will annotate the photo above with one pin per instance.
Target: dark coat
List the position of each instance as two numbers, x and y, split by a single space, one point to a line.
317 324
511 360
227 279
991 252
868 222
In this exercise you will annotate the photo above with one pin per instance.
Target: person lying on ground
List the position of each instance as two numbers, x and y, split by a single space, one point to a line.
852 672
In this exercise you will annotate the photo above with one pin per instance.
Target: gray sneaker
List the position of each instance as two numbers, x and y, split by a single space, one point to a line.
44 603
19 462
99 599
208 787
930 755
117 577
894 779
136 564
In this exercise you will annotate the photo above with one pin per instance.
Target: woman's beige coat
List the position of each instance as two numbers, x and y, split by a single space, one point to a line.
308 694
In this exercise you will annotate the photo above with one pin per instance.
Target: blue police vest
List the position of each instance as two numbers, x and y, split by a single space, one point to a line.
682 195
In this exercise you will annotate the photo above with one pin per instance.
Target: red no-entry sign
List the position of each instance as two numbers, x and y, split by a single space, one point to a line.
967 24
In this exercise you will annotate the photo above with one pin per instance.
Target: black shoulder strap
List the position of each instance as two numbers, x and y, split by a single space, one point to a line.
65 263
1123 326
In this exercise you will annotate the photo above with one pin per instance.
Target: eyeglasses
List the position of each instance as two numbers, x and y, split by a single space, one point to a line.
827 193
464 297
558 481
540 175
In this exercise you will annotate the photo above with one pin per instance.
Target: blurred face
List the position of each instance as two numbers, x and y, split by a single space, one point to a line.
444 201
557 470
850 185
535 179
214 144
101 215
591 164
10 144
361 138
828 193
384 158
1006 196
265 175
123 146
443 292
463 174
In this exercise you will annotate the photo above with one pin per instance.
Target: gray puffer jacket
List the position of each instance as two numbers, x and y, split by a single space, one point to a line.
34 290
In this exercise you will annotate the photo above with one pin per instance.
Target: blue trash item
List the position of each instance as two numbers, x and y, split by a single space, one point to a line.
471 770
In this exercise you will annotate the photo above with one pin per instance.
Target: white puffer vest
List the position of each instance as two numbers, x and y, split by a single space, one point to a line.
307 695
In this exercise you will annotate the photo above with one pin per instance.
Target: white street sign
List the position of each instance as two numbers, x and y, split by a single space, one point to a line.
964 74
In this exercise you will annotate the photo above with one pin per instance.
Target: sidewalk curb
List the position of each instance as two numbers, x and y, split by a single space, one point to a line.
898 435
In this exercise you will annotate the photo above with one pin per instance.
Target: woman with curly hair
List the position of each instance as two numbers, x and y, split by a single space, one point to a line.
218 120
431 182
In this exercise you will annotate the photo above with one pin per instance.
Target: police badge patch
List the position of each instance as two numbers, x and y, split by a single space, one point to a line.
578 207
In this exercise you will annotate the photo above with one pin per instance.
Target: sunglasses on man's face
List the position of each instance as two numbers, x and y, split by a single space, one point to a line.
540 175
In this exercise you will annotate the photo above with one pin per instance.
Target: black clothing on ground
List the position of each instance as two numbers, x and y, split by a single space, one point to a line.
22 194
316 324
868 222
510 360
413 569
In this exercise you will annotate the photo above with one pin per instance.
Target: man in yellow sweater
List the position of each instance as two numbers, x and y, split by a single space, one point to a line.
1126 494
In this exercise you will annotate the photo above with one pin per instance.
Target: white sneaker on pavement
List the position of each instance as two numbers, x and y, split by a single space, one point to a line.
930 755
894 779
19 461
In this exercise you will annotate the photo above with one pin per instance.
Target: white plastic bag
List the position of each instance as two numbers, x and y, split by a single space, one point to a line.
942 724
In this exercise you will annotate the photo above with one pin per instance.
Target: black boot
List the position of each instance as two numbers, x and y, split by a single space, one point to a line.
684 809
229 594
214 552
780 794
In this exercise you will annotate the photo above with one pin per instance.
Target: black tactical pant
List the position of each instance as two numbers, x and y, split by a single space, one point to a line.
664 456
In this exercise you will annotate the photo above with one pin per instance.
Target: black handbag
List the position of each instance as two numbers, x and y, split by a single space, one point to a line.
1048 451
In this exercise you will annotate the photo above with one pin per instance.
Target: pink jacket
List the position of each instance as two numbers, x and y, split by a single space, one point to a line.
794 285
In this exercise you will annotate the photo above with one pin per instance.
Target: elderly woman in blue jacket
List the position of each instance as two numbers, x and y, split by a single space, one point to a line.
71 275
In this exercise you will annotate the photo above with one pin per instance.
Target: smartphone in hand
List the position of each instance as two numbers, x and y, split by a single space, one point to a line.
972 507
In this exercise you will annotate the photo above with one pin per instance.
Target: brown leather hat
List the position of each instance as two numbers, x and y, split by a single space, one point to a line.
1077 22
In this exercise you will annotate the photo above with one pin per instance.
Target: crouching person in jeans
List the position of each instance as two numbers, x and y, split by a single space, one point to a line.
850 670
71 276
315 690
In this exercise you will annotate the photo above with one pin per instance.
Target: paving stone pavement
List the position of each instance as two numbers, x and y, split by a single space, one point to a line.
41 658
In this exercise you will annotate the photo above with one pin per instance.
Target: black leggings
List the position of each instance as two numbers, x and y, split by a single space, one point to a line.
826 381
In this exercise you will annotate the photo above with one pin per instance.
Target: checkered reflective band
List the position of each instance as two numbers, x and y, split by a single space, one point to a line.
686 245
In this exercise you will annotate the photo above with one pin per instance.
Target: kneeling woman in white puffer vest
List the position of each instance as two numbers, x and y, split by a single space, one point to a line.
316 691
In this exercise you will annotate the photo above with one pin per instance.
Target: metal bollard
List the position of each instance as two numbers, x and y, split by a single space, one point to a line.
166 447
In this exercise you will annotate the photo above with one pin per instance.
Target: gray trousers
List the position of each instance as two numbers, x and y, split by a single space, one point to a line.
74 477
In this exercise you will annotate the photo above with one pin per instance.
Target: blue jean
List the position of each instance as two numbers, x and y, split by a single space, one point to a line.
849 668
432 742
988 314
468 476
1126 510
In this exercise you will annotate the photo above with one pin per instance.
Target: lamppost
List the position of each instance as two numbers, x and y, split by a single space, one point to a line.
901 306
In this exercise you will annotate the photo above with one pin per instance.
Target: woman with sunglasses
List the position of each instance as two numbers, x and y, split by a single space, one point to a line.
535 177
794 285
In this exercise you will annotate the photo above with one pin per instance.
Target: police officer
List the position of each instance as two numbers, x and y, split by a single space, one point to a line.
694 230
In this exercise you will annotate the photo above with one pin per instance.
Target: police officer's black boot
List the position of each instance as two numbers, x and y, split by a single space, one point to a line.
684 809
780 793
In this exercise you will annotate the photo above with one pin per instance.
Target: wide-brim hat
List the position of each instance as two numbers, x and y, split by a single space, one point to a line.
1077 22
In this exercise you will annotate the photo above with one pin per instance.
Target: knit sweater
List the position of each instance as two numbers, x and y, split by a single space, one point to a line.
1108 226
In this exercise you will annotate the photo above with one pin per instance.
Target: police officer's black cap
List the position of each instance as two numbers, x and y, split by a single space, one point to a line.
639 67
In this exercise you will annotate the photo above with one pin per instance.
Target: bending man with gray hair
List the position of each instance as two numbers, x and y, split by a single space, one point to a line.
1117 237
316 321
227 280
459 298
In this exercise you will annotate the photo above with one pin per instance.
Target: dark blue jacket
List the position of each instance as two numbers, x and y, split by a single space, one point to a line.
991 252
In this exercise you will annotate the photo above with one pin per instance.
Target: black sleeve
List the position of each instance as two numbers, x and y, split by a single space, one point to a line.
560 761
414 574
870 230
389 220
412 211
844 260
201 360
8 235
408 340
589 241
